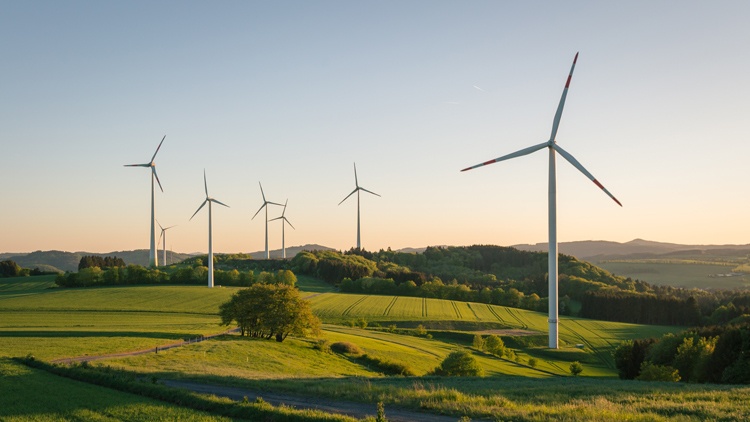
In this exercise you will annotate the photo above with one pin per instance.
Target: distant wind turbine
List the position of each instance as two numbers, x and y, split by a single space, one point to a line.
284 222
552 218
208 201
357 189
164 243
265 205
152 256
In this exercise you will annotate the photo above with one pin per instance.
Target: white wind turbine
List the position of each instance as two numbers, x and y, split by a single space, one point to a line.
284 222
164 243
357 189
265 205
152 255
208 201
553 147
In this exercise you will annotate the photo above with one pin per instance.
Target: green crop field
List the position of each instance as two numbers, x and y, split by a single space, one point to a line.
679 273
54 323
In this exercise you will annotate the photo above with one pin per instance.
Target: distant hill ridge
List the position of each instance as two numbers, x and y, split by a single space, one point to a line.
589 250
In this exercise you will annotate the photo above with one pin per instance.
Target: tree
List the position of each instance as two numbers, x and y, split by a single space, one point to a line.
478 342
652 372
269 310
494 344
576 368
9 268
533 362
459 363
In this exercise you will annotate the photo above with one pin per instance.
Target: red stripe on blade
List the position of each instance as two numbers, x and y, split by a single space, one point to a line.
596 182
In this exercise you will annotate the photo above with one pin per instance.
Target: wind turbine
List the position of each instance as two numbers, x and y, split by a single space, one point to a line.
152 256
208 201
284 221
357 189
552 146
265 205
164 244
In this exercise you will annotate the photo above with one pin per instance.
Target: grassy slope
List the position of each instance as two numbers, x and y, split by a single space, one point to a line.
678 274
72 400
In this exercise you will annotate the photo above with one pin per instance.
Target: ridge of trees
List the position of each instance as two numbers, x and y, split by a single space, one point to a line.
9 268
88 261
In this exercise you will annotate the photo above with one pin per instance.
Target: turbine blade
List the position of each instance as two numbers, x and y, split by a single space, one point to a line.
356 183
205 183
284 211
261 192
290 224
347 196
153 170
218 202
274 203
560 106
277 218
157 148
137 165
580 168
369 191
259 210
518 153
199 208
157 222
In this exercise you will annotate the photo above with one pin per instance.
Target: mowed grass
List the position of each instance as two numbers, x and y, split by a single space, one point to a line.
32 395
676 274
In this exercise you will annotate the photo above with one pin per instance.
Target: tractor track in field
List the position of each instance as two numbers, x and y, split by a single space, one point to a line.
354 409
473 311
390 306
514 313
353 305
456 310
424 307
494 312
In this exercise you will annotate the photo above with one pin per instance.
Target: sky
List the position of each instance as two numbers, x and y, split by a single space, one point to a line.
292 93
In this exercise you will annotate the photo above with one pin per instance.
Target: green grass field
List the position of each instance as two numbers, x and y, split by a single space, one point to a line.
679 273
55 323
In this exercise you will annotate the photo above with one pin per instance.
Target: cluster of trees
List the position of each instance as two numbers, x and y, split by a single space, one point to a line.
270 311
101 262
640 308
716 354
333 267
9 268
184 274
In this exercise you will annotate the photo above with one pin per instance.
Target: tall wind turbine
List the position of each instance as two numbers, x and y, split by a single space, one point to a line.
284 222
164 244
357 189
265 205
552 146
152 256
208 201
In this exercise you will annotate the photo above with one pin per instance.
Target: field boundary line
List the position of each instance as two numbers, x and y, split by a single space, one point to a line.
157 349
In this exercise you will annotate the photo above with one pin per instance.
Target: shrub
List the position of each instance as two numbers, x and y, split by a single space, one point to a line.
494 344
388 367
459 363
478 342
533 362
347 348
323 345
653 372
576 368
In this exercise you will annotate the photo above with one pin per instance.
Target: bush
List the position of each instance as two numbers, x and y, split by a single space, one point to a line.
494 344
388 367
533 362
576 368
652 372
347 348
478 342
323 345
460 364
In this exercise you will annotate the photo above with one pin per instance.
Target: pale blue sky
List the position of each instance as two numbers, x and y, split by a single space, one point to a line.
291 93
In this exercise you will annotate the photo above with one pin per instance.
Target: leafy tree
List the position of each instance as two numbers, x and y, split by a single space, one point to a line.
459 363
9 268
269 310
494 344
576 368
629 357
478 342
533 362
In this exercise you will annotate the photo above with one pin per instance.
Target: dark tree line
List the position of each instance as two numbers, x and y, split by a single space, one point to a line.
9 268
101 262
612 305
715 354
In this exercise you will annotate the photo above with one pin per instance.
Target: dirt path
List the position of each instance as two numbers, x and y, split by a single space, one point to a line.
357 410
87 358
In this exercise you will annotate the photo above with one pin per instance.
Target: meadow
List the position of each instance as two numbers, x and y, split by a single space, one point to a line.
679 273
52 323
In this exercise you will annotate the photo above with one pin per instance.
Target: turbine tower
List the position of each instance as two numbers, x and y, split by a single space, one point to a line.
208 201
284 222
164 244
265 205
552 146
357 189
153 260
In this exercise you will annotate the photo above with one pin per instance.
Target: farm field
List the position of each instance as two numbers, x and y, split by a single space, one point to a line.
679 274
52 323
